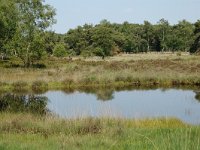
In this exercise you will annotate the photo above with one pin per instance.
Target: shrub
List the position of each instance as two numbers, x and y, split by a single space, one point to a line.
59 50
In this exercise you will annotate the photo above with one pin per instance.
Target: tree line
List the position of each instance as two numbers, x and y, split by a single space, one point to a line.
107 39
24 24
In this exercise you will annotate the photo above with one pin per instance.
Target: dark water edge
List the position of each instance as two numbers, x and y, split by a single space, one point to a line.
125 102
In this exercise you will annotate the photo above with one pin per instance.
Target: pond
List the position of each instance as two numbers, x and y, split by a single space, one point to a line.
130 103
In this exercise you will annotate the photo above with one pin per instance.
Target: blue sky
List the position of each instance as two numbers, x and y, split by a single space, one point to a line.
71 13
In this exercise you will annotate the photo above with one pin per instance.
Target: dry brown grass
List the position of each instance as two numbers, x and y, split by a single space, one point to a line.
151 68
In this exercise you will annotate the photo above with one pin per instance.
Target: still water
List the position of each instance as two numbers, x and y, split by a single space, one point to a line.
135 104
181 104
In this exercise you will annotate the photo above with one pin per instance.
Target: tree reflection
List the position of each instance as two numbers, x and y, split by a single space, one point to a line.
105 95
23 103
197 96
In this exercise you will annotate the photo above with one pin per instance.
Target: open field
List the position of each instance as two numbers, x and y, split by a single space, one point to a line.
25 131
152 69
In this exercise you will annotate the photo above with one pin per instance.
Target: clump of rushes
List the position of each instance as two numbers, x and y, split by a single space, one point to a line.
2 84
136 81
89 80
129 78
120 79
92 126
20 86
68 82
39 86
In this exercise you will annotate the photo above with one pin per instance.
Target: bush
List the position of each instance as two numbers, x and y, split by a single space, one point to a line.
59 50
99 52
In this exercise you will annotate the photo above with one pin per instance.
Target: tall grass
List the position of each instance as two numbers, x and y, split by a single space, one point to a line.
137 70
24 131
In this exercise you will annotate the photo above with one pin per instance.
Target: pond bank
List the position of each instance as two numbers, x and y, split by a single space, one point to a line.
131 70
19 131
41 86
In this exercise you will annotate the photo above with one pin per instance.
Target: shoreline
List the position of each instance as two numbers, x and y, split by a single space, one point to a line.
19 131
40 86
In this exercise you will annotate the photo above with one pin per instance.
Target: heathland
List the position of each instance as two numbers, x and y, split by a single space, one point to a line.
91 56
33 131
152 69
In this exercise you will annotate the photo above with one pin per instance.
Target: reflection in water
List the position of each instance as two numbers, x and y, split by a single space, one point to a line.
105 95
129 103
118 102
101 94
197 96
23 103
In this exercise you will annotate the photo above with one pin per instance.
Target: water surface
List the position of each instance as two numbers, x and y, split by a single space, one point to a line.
130 103
172 103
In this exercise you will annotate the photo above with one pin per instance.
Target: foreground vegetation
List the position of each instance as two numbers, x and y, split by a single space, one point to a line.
25 131
147 70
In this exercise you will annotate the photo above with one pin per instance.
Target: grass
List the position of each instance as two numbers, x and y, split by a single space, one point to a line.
152 69
25 131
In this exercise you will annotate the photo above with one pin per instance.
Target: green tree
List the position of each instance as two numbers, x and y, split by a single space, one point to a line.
8 19
180 39
195 48
33 18
99 52
76 39
51 39
129 45
148 34
163 30
103 39
106 39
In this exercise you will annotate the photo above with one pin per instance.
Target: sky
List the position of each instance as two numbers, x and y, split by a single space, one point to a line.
72 13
